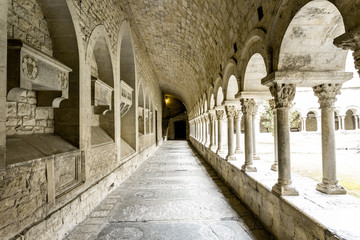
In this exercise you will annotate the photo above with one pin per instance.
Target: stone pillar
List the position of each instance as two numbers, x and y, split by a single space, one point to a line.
212 118
339 122
303 124
274 166
255 126
237 121
207 139
230 112
247 109
342 122
356 118
327 96
283 94
318 123
220 115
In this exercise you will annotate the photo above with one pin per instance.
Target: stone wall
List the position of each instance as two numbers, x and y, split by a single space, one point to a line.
24 117
27 23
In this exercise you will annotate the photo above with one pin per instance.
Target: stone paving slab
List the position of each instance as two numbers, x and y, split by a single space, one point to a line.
173 195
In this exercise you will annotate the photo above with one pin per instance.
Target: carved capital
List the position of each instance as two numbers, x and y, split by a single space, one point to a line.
230 111
206 117
350 41
327 94
247 106
272 104
283 94
255 110
238 114
220 115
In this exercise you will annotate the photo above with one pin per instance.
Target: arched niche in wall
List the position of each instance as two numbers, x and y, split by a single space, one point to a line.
147 112
102 89
308 41
255 71
44 110
141 107
66 48
349 120
311 122
128 95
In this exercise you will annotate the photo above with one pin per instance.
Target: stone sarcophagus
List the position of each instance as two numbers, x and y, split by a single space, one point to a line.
30 69
126 98
101 96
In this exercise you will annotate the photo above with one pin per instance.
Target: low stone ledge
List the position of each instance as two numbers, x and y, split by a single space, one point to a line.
312 215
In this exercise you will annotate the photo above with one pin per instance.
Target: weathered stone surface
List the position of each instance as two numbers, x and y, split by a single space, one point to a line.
174 195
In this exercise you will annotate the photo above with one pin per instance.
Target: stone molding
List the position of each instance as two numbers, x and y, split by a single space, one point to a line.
247 106
327 94
230 111
283 94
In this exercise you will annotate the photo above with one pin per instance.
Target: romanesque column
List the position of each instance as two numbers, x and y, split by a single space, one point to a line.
343 123
327 96
303 124
254 132
207 139
356 118
212 117
247 109
274 166
318 123
283 94
230 112
220 115
237 121
203 129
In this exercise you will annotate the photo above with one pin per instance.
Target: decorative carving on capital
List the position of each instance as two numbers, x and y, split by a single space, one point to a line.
238 114
283 94
220 115
327 94
350 41
255 109
247 106
272 104
206 117
230 111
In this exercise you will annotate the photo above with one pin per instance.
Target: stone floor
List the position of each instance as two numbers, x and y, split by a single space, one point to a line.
173 195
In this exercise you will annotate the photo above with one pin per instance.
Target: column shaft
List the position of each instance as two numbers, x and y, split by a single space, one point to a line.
238 134
247 108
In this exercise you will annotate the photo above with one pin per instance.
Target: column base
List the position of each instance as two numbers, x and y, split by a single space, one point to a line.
238 151
231 158
213 148
330 188
256 157
220 152
248 168
284 190
275 167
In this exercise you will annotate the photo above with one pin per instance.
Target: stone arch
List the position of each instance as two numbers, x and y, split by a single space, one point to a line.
350 119
255 71
254 44
219 97
311 122
217 86
127 71
101 74
230 80
67 117
312 30
211 98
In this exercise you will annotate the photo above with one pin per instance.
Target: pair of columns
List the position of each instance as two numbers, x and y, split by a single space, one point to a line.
283 95
232 114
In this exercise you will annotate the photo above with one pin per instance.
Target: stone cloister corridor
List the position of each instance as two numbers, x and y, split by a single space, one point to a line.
92 92
173 195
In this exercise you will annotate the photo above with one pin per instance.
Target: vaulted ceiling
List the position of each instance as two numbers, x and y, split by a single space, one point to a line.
187 40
